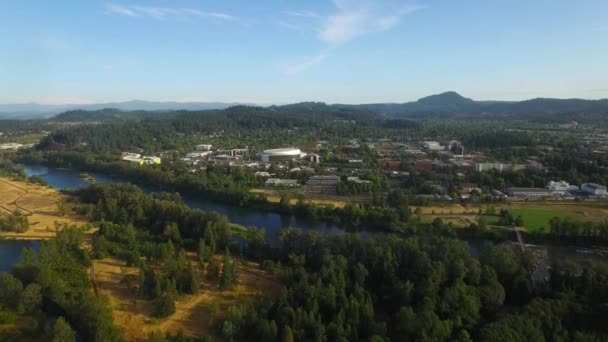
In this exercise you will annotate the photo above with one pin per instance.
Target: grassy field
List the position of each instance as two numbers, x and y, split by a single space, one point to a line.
193 314
538 219
536 215
40 204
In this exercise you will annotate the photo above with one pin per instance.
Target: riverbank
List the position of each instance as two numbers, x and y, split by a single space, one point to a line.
46 209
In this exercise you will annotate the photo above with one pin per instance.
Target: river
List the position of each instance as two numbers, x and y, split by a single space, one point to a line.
270 221
274 222
10 251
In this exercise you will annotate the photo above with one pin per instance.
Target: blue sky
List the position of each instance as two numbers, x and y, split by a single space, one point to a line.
280 51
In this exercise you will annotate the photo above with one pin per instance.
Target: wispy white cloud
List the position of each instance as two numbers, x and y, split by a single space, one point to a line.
164 13
303 64
353 18
303 14
356 18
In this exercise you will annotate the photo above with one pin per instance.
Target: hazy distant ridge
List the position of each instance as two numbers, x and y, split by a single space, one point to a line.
445 104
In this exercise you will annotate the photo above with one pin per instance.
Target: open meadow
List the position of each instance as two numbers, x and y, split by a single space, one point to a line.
193 315
41 205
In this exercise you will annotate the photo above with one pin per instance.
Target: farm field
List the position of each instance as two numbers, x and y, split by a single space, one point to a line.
40 205
192 316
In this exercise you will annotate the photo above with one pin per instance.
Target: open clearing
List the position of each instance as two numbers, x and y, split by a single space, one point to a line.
536 215
39 203
192 314
273 197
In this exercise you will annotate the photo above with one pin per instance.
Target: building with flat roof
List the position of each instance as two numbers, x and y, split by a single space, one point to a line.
204 147
561 187
533 193
285 183
432 146
323 183
500 167
594 189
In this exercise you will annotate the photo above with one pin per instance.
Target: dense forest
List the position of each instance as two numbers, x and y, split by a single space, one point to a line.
421 285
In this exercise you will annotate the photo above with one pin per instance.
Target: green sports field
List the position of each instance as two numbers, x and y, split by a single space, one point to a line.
538 219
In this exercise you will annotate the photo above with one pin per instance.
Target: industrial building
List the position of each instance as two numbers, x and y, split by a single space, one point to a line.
594 189
323 183
529 193
561 187
281 154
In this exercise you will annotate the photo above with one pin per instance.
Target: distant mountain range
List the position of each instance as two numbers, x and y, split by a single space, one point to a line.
453 104
35 110
448 104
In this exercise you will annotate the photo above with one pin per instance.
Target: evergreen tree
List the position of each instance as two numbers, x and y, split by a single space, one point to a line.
227 281
62 332
287 334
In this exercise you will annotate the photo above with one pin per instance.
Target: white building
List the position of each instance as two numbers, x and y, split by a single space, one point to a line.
432 146
131 157
561 187
204 147
594 189
500 167
276 182
281 154
198 154
357 180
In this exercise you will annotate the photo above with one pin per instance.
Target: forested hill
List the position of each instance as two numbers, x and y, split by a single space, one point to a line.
444 105
452 104
108 114
112 129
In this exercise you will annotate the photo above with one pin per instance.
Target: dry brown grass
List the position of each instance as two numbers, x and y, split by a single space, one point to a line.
272 197
192 315
40 204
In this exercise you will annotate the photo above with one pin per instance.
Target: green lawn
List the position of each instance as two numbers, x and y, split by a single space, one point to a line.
538 219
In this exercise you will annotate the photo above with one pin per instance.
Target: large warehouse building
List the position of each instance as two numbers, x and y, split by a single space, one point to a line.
281 154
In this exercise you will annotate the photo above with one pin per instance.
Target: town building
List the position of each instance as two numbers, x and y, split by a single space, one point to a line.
529 193
391 164
432 146
468 188
424 165
284 183
203 147
594 189
281 154
357 180
314 158
561 187
500 167
323 183
198 154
